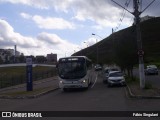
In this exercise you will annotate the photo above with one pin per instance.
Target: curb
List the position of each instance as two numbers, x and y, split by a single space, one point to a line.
131 95
29 97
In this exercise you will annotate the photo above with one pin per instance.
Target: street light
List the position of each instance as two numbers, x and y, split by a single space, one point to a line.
86 47
97 35
97 45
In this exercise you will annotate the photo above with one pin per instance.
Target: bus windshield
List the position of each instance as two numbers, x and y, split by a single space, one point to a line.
72 70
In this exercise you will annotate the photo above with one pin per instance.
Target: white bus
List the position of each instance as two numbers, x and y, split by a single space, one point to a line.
74 72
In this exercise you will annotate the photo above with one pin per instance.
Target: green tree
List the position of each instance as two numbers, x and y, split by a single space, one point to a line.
21 58
126 54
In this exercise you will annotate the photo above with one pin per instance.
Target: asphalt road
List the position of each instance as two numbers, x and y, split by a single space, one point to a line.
97 98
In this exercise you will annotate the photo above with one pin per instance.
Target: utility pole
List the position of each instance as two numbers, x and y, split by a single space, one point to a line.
15 53
137 14
97 52
113 42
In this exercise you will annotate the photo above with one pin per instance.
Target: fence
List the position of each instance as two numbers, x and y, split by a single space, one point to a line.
7 81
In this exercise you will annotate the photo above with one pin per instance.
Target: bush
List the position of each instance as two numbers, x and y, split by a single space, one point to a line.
148 86
132 79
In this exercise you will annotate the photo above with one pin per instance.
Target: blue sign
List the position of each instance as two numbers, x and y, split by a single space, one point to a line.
29 74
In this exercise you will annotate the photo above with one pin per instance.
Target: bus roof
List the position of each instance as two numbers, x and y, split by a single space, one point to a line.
76 57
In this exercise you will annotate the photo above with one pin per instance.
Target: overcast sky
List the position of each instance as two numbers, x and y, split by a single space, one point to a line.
40 27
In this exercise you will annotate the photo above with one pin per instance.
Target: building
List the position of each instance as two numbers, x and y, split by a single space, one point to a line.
41 59
11 51
8 55
52 58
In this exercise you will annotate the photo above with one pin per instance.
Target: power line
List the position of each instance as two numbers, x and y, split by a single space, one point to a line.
137 14
123 15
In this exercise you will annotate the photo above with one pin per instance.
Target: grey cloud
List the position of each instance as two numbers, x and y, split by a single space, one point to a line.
9 38
49 38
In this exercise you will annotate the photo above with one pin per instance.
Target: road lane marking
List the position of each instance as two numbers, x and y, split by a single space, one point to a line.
94 81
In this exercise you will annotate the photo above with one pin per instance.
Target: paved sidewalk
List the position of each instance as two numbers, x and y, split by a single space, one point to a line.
39 88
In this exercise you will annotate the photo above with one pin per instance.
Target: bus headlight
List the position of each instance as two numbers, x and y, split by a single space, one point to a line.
61 81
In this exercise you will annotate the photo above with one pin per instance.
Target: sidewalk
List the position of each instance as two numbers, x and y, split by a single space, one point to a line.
39 88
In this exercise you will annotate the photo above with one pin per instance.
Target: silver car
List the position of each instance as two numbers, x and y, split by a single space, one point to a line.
116 78
151 69
107 70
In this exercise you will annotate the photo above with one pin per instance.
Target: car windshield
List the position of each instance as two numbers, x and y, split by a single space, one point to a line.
71 70
106 71
116 74
152 69
113 69
151 66
97 65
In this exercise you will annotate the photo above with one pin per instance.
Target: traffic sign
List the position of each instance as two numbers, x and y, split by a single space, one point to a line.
29 74
29 61
140 53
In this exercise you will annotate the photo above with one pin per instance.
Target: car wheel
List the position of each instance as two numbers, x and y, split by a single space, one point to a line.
109 85
124 84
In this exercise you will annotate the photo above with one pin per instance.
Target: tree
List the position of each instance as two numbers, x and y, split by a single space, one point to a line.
21 58
126 54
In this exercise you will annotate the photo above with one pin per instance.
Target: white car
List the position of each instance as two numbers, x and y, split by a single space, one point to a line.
106 72
98 67
151 69
116 78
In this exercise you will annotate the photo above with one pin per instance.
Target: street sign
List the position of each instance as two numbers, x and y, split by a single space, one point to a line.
29 74
140 53
29 61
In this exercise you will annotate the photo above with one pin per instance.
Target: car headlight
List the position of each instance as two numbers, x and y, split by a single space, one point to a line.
83 81
61 81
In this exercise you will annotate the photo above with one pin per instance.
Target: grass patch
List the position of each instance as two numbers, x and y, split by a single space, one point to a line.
21 70
136 81
148 86
10 76
131 80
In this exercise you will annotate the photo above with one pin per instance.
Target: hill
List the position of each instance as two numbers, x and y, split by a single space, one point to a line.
109 47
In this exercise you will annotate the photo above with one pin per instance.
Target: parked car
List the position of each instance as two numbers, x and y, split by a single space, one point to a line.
98 67
116 78
151 69
106 73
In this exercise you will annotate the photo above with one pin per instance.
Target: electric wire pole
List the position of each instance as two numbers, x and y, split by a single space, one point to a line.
136 13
